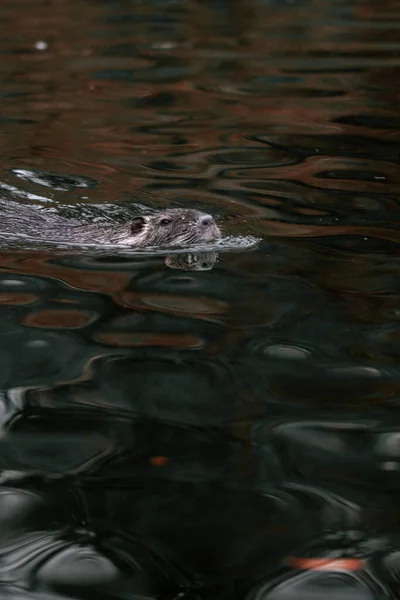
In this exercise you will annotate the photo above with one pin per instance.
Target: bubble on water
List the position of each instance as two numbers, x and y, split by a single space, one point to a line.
390 465
287 352
37 344
356 371
41 45
12 282
164 45
78 565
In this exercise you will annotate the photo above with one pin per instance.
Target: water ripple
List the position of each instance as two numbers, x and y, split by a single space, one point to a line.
220 422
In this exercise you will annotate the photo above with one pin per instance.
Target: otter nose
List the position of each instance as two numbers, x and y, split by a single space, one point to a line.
206 221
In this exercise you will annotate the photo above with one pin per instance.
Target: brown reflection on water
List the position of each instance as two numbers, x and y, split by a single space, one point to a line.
54 319
185 342
17 298
107 99
309 231
178 305
37 263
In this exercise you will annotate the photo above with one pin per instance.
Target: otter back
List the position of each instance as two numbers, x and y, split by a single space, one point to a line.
20 219
36 222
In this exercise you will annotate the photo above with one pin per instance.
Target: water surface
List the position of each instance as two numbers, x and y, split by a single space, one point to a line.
230 432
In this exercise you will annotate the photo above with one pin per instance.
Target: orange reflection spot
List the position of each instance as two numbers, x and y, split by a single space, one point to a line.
326 564
16 298
158 461
66 319
312 212
161 340
64 301
184 305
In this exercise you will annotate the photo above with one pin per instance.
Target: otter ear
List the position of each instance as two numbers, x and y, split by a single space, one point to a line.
137 224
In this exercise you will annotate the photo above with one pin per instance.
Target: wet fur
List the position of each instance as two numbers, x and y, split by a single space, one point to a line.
184 227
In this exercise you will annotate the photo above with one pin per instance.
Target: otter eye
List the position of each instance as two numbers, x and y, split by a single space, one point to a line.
165 222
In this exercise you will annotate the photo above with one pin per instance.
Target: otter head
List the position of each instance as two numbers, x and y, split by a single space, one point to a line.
174 227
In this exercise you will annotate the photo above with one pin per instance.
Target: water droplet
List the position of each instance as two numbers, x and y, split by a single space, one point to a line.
13 282
41 45
37 344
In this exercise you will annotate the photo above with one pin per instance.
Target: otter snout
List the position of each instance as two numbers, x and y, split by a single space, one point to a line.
209 228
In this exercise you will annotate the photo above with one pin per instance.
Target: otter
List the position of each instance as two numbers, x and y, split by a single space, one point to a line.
169 227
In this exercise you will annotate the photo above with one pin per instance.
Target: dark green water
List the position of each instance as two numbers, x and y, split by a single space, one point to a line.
230 433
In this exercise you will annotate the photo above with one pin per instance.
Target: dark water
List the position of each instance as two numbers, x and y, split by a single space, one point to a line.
228 433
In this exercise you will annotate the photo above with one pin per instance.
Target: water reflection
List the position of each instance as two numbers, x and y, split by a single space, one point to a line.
192 262
198 426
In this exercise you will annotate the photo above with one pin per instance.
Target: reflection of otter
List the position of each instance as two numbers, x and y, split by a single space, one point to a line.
200 261
170 227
